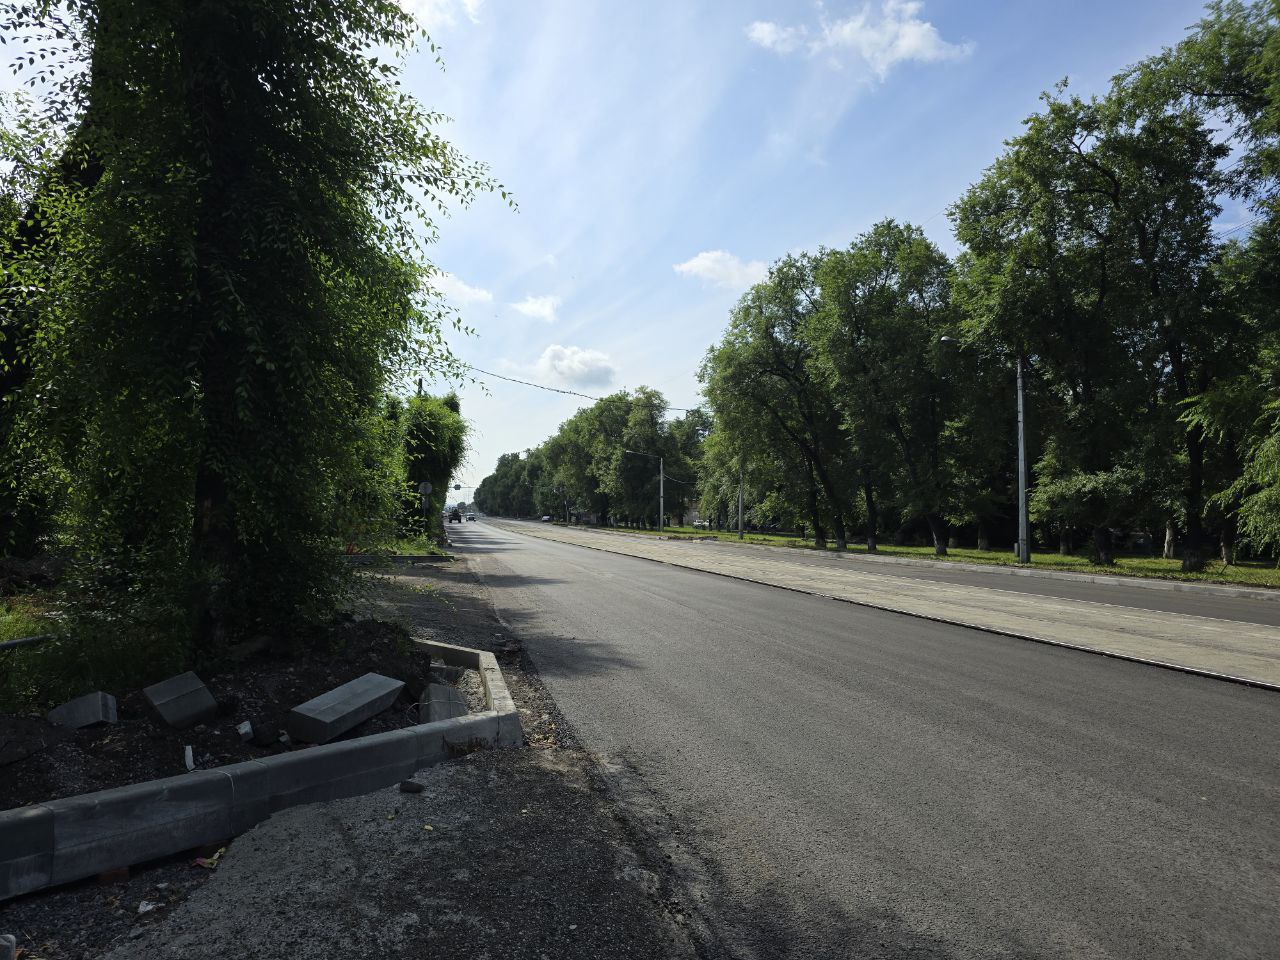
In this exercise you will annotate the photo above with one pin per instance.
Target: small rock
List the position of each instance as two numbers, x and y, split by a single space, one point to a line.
146 906
135 933
285 742
265 734
245 730
188 759
411 786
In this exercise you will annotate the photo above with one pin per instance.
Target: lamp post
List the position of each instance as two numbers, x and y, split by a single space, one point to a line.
661 487
1024 517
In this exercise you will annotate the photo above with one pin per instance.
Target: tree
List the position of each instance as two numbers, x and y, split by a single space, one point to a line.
234 296
887 305
1090 251
758 382
435 445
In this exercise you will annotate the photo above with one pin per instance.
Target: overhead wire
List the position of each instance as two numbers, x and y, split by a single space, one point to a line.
542 386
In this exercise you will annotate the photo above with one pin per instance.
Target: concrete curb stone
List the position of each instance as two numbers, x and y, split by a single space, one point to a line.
76 837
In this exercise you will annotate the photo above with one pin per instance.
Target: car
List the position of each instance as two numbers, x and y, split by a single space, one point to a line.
455 516
547 518
471 516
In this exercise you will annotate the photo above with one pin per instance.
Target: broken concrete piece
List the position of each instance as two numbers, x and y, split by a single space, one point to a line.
182 700
334 713
442 702
96 707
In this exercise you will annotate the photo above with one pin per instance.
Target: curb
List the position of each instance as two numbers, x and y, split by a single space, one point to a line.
1097 651
71 838
1144 583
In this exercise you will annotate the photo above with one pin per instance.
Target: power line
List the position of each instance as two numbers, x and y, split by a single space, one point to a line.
540 386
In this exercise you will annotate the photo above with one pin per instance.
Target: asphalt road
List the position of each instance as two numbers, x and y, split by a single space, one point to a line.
853 782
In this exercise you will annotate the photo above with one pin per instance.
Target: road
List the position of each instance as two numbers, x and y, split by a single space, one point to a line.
855 782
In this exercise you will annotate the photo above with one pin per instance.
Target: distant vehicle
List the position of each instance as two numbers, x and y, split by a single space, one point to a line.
471 516
455 516
547 518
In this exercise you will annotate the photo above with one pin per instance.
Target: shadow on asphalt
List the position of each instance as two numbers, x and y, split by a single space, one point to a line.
558 656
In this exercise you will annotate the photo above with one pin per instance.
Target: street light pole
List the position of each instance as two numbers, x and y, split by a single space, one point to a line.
1024 519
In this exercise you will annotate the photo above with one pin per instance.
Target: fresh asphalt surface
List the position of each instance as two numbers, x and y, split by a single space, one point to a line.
858 783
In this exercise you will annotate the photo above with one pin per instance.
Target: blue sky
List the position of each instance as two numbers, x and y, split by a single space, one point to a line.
662 153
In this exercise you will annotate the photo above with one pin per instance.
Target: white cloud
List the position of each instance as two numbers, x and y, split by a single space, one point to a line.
540 308
723 269
435 14
458 291
879 39
771 36
576 366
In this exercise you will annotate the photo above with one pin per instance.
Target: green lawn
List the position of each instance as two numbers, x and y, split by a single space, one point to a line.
1249 573
418 546
21 617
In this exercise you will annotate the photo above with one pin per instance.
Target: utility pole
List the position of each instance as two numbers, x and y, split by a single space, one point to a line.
739 499
1024 519
661 495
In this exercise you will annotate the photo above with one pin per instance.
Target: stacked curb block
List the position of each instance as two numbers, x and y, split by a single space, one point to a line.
72 838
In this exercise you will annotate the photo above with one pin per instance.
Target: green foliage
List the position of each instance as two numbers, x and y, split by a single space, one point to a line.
435 446
585 469
232 297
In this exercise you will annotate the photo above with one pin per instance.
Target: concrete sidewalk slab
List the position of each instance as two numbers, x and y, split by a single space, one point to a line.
335 712
182 701
96 707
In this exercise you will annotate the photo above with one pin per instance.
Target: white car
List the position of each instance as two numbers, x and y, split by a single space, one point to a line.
547 518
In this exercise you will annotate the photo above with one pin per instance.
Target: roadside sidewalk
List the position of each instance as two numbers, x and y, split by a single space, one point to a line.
1003 569
1225 649
504 854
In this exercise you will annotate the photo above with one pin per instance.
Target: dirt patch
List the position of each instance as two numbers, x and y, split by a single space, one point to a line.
39 761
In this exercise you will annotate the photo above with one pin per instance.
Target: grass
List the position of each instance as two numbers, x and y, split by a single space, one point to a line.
1244 573
418 546
22 616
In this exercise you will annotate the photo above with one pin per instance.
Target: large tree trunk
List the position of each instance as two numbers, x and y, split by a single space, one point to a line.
1103 552
1193 545
819 533
984 535
938 530
842 542
1170 540
873 516
1227 538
